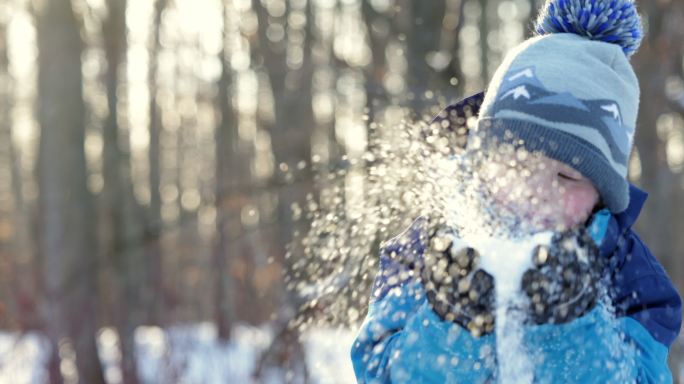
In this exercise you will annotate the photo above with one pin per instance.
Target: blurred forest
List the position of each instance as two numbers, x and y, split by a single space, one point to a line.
159 157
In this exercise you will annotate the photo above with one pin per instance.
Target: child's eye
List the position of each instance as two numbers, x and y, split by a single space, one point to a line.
565 176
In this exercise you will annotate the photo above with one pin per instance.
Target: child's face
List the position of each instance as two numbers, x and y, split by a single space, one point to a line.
546 194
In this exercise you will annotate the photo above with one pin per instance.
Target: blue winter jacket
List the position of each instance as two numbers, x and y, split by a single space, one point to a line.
403 340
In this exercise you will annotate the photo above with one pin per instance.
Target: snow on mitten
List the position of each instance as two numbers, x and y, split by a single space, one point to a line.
456 289
563 283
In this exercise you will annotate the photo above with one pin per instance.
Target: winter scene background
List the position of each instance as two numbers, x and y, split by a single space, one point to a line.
195 191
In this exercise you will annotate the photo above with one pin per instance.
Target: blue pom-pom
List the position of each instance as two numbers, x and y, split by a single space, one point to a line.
612 21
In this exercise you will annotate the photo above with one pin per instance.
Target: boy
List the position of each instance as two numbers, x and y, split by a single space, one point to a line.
568 97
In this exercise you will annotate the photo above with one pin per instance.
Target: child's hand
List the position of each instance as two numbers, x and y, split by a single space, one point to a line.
455 288
563 284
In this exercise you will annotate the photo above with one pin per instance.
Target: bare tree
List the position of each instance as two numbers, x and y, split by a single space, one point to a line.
423 35
224 136
11 191
122 215
450 42
65 239
380 28
154 223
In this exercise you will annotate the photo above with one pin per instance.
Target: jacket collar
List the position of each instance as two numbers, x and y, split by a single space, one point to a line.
637 198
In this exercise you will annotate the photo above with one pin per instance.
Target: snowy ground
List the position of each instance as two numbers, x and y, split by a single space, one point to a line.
189 354
192 355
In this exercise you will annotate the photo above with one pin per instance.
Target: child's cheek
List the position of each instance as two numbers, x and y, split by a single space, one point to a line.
579 202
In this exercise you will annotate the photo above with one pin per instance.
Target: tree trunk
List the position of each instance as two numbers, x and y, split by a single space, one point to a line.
154 224
379 27
16 243
224 311
123 223
65 239
451 41
423 41
484 45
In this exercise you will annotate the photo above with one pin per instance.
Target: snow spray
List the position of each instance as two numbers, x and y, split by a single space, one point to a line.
506 260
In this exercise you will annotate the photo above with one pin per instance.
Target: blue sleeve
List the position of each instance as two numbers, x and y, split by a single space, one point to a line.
590 349
402 340
394 297
380 331
597 348
651 356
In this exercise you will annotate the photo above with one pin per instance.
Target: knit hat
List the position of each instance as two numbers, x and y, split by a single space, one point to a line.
571 93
